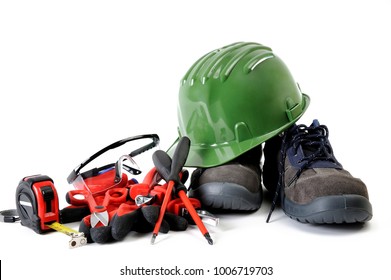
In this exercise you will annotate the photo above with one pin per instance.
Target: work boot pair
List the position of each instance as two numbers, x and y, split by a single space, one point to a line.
301 173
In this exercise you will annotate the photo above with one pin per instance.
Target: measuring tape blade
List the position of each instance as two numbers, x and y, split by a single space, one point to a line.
77 238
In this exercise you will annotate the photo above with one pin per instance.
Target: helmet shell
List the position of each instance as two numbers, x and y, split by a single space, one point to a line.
233 99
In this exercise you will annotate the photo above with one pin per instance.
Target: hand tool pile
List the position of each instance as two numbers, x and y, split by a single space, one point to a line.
109 204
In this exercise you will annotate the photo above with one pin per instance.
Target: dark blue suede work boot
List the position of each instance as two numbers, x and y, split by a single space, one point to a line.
234 186
302 172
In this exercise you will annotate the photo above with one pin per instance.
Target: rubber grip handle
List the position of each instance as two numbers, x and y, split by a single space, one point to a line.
115 196
179 158
77 197
180 187
162 162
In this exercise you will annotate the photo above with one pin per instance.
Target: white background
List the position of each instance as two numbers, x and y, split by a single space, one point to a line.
78 75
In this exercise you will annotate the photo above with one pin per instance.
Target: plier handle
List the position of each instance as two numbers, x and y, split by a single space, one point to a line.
98 205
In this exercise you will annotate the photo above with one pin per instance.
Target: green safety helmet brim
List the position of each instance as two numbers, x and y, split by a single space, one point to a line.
208 156
234 99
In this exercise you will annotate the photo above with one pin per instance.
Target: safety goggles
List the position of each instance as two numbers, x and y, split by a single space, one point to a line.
121 164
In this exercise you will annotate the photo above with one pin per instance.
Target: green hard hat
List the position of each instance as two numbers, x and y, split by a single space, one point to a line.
233 99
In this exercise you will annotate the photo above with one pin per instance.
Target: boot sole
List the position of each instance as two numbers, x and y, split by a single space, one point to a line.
334 209
227 196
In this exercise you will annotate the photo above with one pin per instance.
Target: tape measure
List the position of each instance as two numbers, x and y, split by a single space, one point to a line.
38 208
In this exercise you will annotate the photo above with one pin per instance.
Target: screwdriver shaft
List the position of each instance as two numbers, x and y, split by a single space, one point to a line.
163 208
194 215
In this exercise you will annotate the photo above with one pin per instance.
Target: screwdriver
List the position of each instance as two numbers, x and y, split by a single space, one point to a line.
179 159
169 170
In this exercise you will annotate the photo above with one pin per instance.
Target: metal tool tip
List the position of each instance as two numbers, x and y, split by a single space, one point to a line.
207 236
153 238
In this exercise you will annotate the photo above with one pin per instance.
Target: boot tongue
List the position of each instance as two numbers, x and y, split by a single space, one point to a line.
315 123
310 149
316 148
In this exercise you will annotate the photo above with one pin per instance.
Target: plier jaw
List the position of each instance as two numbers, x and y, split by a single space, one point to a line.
206 216
102 217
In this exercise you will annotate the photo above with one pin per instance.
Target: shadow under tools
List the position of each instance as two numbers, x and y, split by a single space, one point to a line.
229 219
